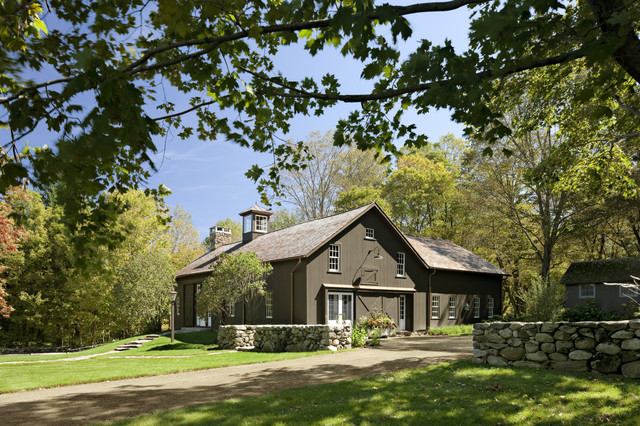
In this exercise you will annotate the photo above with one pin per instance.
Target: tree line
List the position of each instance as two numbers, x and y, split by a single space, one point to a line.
55 295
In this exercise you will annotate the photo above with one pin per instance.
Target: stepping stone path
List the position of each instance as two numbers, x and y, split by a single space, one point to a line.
136 343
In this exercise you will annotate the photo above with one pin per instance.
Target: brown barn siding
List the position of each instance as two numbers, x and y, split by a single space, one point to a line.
357 253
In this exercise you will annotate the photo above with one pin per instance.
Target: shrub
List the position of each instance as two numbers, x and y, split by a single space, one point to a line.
543 302
588 311
368 329
452 330
359 335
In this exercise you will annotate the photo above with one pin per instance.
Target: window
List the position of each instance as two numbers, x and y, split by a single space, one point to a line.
400 265
246 224
587 291
261 223
370 234
476 307
177 305
452 307
435 307
232 310
334 257
490 307
268 304
631 291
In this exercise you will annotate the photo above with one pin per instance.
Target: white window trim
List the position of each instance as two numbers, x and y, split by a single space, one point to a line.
452 306
262 219
232 310
476 307
435 314
400 264
246 224
490 306
268 304
338 249
367 236
344 317
178 305
581 293
632 290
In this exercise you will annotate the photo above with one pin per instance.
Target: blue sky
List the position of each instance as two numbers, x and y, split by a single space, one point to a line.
207 178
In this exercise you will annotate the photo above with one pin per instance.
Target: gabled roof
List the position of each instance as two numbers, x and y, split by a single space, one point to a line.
445 255
295 241
304 239
600 271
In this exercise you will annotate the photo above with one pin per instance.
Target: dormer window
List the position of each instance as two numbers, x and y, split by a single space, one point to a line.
260 223
369 234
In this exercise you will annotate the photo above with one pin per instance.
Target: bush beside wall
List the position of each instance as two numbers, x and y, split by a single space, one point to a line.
285 338
610 347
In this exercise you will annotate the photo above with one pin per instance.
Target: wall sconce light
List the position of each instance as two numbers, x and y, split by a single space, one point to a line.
377 256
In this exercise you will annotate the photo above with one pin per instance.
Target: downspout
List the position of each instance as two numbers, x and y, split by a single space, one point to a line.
429 307
292 271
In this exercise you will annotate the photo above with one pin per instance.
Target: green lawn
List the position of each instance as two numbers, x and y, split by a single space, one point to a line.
452 330
447 394
17 377
97 350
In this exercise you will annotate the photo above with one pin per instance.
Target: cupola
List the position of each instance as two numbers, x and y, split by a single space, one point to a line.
255 222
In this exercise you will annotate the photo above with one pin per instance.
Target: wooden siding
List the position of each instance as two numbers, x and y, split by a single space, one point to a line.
607 298
464 287
356 261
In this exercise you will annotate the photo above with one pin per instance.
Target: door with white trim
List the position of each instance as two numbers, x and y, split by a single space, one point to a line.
402 312
339 308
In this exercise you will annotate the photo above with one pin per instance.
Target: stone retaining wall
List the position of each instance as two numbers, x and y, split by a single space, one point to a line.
611 347
285 338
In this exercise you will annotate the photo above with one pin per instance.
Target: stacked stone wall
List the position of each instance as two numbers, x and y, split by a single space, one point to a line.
285 338
610 347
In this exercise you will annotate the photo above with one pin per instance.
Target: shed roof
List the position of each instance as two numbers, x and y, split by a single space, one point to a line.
443 254
600 271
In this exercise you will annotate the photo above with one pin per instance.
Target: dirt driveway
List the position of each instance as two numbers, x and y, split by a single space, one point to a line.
80 404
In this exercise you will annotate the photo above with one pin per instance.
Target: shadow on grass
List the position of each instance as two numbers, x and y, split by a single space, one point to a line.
445 393
199 338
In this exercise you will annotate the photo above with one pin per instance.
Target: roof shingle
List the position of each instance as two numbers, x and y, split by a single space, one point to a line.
599 271
443 254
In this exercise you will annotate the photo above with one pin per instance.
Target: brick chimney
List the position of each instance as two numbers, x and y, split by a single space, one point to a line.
218 236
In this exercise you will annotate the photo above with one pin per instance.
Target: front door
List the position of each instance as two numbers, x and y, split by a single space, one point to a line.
402 313
339 308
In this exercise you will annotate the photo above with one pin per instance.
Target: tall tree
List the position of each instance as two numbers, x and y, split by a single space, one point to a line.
222 58
313 190
184 240
422 195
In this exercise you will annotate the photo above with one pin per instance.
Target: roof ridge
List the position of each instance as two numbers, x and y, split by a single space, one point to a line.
320 218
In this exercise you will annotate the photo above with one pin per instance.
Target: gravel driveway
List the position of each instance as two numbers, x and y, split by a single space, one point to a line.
80 404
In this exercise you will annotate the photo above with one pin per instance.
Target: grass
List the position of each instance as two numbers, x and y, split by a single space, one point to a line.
452 330
17 377
200 343
97 350
447 394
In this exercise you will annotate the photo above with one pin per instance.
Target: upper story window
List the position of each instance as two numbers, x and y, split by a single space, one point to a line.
261 223
587 291
476 307
246 224
490 307
452 307
334 257
370 234
400 265
268 304
435 307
